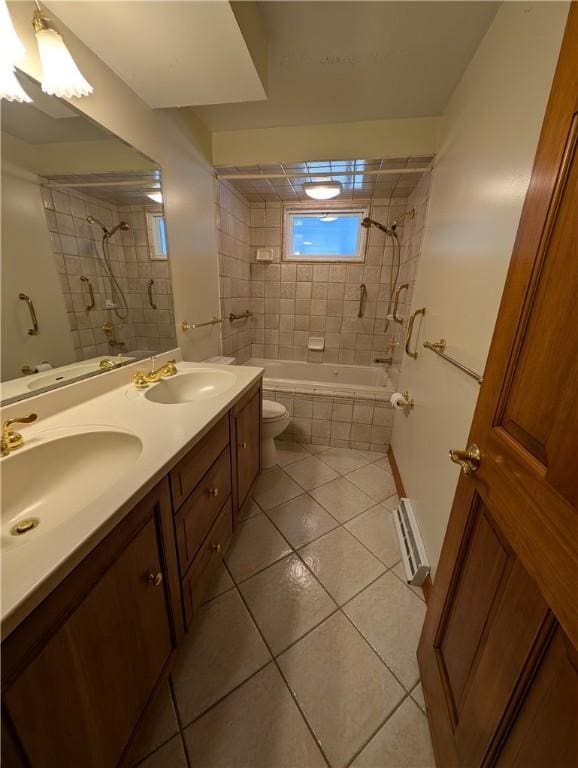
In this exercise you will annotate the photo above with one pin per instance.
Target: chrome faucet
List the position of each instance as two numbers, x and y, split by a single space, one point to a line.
11 440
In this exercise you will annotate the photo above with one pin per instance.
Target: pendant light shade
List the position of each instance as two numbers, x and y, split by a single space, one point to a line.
322 190
11 48
60 75
10 88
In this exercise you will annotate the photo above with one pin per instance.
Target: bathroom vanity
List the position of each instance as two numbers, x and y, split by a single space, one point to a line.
80 668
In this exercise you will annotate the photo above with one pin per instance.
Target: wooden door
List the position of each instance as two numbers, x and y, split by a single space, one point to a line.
498 652
248 448
76 700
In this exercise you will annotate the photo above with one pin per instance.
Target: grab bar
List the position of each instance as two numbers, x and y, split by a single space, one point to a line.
362 298
410 332
439 348
150 293
400 288
186 326
85 279
34 330
242 316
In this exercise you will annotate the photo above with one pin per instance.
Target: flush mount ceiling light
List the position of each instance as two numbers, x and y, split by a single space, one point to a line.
156 197
322 190
10 88
60 75
10 44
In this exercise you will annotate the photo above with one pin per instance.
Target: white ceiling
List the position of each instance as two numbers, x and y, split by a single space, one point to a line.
171 53
351 61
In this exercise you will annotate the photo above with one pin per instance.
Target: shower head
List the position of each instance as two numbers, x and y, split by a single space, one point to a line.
121 225
367 223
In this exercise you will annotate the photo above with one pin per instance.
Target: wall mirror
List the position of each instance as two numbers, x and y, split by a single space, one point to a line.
85 263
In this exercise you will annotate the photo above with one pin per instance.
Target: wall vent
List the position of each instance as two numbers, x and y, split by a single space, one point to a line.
414 558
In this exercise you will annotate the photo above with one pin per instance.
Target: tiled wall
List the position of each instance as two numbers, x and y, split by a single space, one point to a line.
358 421
291 302
77 247
232 223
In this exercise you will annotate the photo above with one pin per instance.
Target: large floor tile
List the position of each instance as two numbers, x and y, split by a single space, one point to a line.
256 545
341 564
403 742
384 464
170 755
310 472
286 601
342 687
159 725
342 499
273 488
390 617
301 520
418 697
316 448
250 509
399 571
288 452
375 528
256 726
376 482
222 650
344 460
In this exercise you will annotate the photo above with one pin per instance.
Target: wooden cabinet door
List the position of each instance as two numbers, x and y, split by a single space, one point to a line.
498 650
77 701
248 444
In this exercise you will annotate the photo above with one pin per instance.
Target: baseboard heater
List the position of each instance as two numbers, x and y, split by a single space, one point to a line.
414 558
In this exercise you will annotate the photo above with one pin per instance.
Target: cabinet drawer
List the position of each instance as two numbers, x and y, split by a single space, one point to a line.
205 563
199 511
190 469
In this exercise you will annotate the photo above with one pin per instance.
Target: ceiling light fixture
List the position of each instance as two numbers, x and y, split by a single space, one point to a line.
11 46
322 190
157 197
60 75
10 88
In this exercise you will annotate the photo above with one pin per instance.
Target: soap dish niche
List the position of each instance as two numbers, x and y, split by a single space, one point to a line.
316 343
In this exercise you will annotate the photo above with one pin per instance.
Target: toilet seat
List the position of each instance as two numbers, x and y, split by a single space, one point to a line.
273 411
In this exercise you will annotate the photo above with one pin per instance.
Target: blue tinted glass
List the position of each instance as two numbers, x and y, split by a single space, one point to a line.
337 235
163 235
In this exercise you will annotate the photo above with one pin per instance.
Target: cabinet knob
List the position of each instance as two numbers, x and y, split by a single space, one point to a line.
242 444
213 491
217 547
156 579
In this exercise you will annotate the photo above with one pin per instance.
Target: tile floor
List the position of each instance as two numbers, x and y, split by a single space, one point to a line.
303 654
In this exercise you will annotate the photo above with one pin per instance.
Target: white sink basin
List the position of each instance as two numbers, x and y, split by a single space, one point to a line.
191 386
50 481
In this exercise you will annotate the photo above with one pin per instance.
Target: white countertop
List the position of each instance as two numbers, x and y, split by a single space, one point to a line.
31 569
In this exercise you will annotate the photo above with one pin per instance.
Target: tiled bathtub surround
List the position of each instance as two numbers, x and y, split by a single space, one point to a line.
337 419
77 250
232 223
290 302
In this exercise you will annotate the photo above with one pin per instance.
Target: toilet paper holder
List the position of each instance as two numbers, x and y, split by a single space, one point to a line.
402 401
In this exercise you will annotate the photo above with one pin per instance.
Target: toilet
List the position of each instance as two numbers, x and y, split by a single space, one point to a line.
275 420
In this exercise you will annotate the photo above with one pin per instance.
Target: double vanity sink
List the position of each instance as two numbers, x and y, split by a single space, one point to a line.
58 473
116 513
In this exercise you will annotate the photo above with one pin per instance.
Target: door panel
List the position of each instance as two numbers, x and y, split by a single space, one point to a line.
498 649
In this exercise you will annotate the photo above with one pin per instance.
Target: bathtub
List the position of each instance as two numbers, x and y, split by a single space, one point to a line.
337 405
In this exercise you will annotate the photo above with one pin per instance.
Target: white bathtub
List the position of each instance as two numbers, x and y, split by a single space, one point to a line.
356 380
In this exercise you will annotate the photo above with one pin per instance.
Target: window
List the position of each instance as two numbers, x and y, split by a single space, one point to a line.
332 234
157 235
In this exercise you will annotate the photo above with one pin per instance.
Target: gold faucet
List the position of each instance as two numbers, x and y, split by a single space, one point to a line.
109 365
11 440
143 380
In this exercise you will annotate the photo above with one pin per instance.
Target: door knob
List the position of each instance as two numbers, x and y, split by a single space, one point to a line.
242 444
469 460
156 579
213 491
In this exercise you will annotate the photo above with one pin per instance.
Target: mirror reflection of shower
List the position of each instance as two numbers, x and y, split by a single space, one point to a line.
118 299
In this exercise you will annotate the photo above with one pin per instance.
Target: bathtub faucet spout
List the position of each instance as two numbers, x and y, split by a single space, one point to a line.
385 360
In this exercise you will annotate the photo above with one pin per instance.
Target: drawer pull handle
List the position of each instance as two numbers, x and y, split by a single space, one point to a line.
213 491
156 579
242 444
217 547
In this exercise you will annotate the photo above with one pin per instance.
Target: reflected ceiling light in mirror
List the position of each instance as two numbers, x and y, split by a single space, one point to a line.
322 190
60 75
11 47
156 197
10 88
